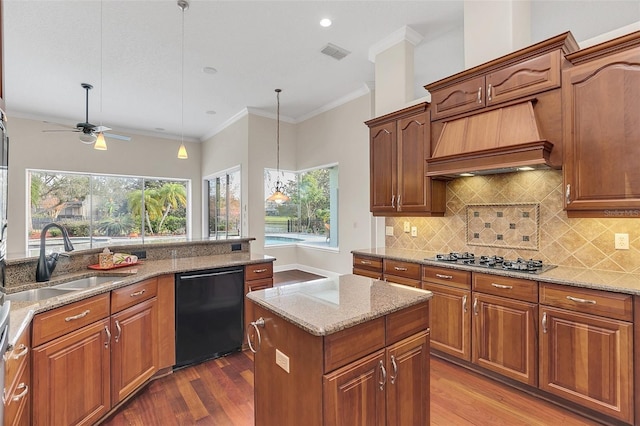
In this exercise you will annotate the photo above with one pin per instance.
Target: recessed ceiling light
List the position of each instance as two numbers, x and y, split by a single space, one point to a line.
210 112
209 70
325 22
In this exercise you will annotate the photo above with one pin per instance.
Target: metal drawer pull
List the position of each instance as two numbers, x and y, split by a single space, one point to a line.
579 300
119 331
21 394
106 329
383 379
489 92
399 198
544 322
398 268
138 293
393 201
479 95
475 306
506 287
23 352
464 303
394 364
365 262
259 271
80 315
255 324
568 193
444 277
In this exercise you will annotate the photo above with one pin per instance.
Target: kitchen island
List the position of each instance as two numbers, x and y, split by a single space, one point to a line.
342 351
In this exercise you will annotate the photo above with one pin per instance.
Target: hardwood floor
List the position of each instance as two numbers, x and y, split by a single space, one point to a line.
293 276
220 393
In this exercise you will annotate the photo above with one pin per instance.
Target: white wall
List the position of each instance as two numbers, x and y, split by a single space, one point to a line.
30 148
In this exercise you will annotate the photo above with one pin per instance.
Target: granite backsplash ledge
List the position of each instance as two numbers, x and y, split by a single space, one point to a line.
19 271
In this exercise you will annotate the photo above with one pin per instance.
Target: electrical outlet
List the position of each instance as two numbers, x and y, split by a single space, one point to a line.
407 227
414 231
282 360
388 230
622 241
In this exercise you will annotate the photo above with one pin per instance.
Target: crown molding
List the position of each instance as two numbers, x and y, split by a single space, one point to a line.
365 89
405 33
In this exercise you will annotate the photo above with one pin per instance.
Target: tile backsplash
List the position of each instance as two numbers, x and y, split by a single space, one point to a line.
497 199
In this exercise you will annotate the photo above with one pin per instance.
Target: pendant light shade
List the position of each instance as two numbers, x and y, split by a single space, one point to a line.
182 151
278 195
101 144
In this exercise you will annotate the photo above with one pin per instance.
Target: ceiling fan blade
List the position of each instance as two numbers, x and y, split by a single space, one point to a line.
99 129
119 137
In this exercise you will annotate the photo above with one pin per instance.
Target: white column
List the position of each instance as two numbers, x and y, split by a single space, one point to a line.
495 28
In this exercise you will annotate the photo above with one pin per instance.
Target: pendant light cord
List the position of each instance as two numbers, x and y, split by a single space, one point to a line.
183 6
278 135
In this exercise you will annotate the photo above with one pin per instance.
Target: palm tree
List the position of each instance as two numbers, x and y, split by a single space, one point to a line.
171 195
151 205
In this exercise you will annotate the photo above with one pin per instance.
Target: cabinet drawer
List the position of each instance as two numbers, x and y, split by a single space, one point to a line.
258 271
366 262
339 349
450 277
18 356
458 98
127 296
63 320
402 269
254 285
376 275
595 302
406 322
17 406
513 288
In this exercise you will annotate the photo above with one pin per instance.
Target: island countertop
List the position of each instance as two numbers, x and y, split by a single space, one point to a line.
325 306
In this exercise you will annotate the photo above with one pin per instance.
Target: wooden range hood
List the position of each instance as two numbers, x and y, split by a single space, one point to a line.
496 141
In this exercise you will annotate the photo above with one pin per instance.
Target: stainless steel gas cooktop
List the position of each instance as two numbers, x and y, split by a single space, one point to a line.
526 266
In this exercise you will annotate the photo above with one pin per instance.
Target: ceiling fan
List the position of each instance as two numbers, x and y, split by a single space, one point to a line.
89 132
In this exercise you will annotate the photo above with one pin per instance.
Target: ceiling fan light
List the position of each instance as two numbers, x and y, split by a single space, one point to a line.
101 143
87 138
182 152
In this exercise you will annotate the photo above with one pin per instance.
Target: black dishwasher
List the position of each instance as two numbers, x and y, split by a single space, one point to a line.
209 314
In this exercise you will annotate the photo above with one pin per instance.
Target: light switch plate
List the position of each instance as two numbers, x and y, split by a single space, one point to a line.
282 360
622 241
407 226
388 230
414 231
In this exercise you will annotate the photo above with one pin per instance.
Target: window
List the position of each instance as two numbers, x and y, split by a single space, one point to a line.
310 216
225 212
101 210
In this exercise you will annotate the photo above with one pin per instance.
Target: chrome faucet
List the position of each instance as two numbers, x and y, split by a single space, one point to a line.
46 264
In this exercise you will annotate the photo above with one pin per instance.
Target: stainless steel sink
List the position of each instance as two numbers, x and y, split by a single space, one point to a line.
37 294
83 283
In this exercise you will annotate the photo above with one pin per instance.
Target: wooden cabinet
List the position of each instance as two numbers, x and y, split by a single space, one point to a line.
18 389
399 144
407 273
256 277
601 95
367 266
504 326
587 358
450 310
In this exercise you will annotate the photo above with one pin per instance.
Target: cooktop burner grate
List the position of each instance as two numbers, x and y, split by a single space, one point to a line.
529 266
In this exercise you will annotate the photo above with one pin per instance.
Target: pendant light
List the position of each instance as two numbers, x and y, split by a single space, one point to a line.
278 195
101 143
182 151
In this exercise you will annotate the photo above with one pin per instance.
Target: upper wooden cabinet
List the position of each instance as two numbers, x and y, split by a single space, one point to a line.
601 95
528 71
399 144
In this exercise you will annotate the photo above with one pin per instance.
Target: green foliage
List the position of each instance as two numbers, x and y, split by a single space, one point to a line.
76 228
175 225
116 226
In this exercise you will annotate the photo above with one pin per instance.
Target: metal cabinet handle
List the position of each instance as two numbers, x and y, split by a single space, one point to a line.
393 201
464 304
259 271
544 322
567 194
365 262
21 394
106 329
444 277
23 352
80 315
399 268
579 300
479 95
489 92
475 306
255 324
119 331
394 364
137 293
399 203
506 287
383 372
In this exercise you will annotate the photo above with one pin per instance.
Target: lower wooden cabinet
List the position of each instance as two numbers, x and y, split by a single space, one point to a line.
256 277
367 266
18 388
407 273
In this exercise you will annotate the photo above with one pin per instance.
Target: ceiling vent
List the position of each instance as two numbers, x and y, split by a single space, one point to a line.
334 51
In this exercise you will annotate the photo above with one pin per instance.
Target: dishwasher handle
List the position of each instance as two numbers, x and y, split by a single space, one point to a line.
209 274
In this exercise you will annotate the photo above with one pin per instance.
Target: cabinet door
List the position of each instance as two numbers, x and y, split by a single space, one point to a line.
588 360
71 383
601 173
504 337
134 353
354 395
459 98
414 135
408 381
524 78
450 310
248 304
383 167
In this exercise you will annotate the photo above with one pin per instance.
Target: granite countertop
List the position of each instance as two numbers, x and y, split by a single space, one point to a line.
325 306
619 282
21 313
